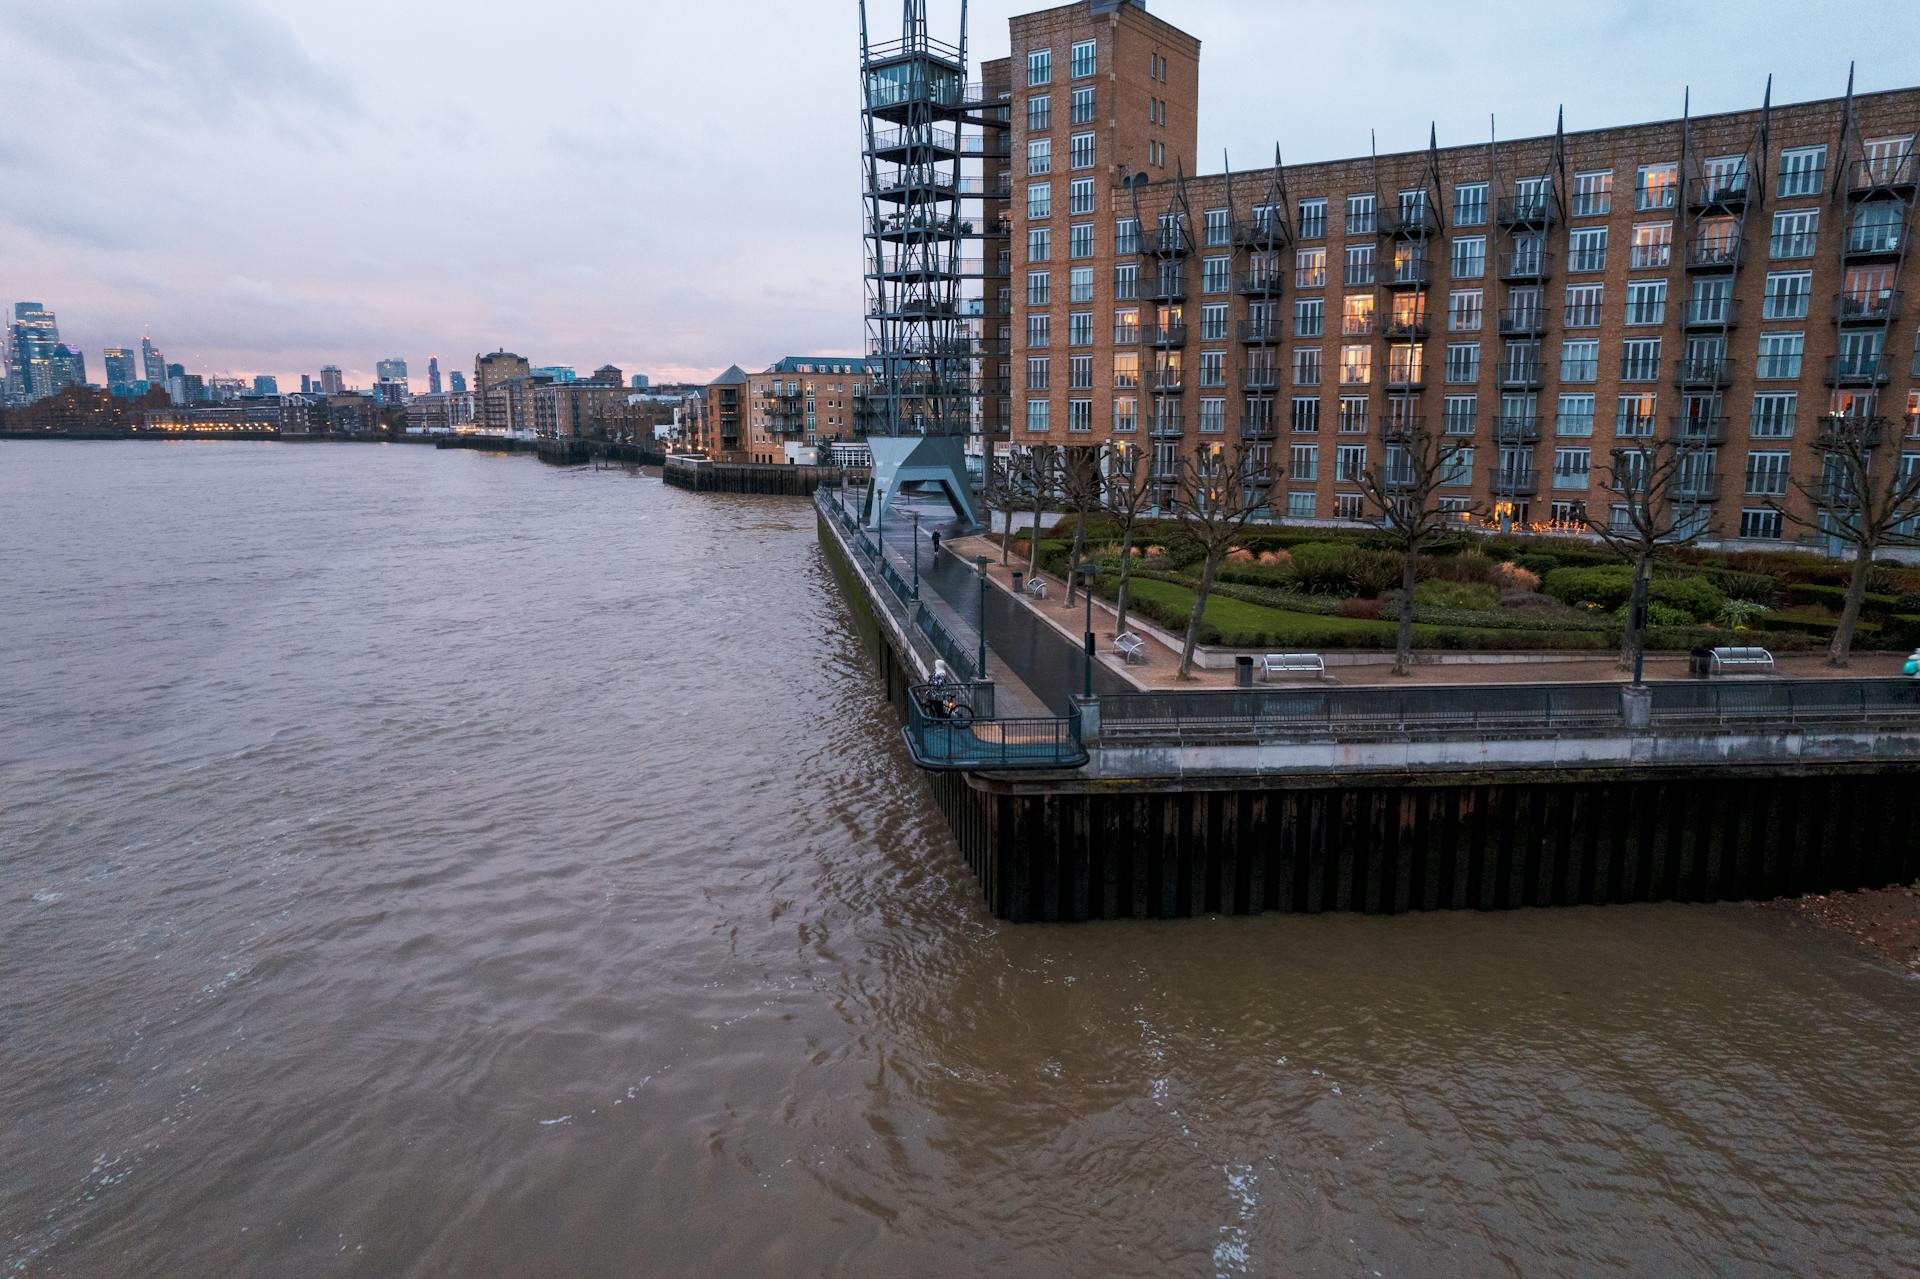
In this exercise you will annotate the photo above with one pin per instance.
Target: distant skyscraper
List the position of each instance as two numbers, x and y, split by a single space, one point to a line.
433 375
640 382
331 382
153 363
394 370
306 384
31 340
457 382
266 384
119 367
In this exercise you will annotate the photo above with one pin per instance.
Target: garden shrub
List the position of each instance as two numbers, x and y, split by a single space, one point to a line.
1320 568
1698 598
1359 608
1370 572
1609 586
1511 577
1539 563
1469 595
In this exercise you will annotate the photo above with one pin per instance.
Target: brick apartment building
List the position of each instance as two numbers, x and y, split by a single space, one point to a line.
1727 280
802 399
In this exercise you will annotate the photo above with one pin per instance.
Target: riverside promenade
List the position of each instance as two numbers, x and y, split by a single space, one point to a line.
1558 785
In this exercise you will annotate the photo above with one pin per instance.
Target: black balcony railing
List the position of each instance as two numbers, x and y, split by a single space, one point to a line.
1166 242
1511 481
1401 430
1411 222
1719 191
1712 313
1713 253
1876 241
1523 320
1404 377
1512 373
1406 273
1869 369
1890 173
1167 288
1402 325
1703 370
1262 282
1516 428
1167 335
1256 428
1526 264
1399 479
1259 379
1270 233
1358 326
1697 484
1168 382
1698 430
1877 307
1259 332
1534 210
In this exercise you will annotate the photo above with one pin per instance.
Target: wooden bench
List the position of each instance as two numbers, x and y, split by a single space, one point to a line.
1734 658
1292 664
1130 647
1037 587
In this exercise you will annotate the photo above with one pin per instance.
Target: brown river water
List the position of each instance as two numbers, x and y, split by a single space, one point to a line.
425 863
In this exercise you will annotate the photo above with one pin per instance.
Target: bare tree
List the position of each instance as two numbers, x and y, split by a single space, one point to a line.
1867 497
1659 490
998 492
1037 471
1402 499
1129 493
1219 495
1080 487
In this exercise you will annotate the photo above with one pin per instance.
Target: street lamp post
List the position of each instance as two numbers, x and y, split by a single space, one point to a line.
1088 571
916 555
980 666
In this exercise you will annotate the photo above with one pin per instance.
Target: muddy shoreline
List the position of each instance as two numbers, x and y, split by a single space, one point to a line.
1884 922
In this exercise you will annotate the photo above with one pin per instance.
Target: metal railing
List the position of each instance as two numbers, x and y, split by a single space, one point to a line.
958 657
984 743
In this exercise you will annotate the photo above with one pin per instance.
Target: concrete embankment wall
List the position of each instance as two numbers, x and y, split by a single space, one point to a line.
703 476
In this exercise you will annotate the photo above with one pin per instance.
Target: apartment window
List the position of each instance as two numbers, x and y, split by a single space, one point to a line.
1583 305
1305 417
1313 219
1039 157
1359 270
1652 245
1080 284
1080 240
1794 232
1463 362
1876 227
1646 301
1300 506
1306 366
1460 413
1587 249
1213 322
1469 257
1039 199
1352 415
1571 467
1464 310
1787 295
1157 154
1126 370
1773 414
1082 151
1038 412
1039 331
1658 187
1574 419
1213 368
1083 105
1349 462
1593 193
1080 328
1083 59
1456 471
1303 463
1218 229
1039 113
1216 275
1580 360
1802 171
1126 413
1310 269
1126 282
1080 197
1079 415
1213 415
1126 236
1356 365
1309 317
1470 204
1356 315
1780 355
1767 473
1040 67
1634 414
1360 214
1080 373
1760 524
1640 360
1039 244
1039 288
1039 373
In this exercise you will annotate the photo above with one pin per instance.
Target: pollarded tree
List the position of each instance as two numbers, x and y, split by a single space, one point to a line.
1080 488
1129 493
1219 494
1658 489
999 492
1037 473
1403 499
1868 498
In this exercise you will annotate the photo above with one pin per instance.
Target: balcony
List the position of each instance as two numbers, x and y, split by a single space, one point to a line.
1406 273
1858 370
1711 313
1258 380
1166 243
1697 430
1517 375
1169 335
1399 479
1726 191
1167 382
1704 371
1867 243
1357 326
1516 428
1878 307
1261 282
1262 235
1526 265
1165 427
1713 253
1523 321
1166 288
1414 223
1403 430
1256 428
1259 332
1404 377
1510 481
1534 210
1696 484
1839 430
1882 175
1404 326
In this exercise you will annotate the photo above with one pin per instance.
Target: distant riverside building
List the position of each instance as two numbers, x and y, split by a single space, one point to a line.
31 339
220 390
490 372
716 425
608 374
152 363
557 373
577 408
433 375
331 381
118 367
266 384
306 384
797 402
430 412
1722 282
392 370
639 382
390 391
456 382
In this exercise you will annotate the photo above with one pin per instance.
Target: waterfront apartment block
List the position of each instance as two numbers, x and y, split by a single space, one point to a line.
796 403
1726 280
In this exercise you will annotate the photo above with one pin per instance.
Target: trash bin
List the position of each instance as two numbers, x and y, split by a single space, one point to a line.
1019 582
1243 672
1700 662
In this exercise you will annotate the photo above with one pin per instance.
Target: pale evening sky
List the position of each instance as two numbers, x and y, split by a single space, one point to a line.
272 185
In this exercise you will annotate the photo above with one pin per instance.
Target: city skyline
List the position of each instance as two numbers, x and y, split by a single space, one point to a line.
637 251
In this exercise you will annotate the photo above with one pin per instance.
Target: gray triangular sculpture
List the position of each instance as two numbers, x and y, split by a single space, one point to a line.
900 460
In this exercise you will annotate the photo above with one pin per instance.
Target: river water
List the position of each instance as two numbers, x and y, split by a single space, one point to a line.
430 863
